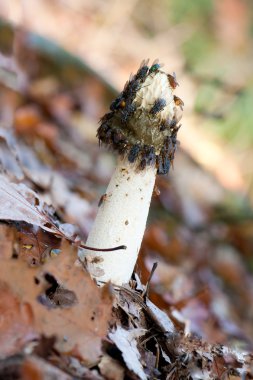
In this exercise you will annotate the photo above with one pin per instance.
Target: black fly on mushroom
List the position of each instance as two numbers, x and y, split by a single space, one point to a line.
142 128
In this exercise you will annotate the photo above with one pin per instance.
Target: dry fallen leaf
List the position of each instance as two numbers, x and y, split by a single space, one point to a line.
17 322
34 368
80 320
126 343
36 245
18 202
111 369
79 328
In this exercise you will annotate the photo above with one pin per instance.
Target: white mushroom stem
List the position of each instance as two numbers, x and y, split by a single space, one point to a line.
121 219
122 216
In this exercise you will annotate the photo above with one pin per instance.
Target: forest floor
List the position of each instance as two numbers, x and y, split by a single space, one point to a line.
192 319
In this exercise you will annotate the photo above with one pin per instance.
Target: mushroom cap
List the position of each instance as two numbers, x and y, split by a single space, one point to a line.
144 119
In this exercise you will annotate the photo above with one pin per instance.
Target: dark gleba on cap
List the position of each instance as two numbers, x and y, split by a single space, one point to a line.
144 119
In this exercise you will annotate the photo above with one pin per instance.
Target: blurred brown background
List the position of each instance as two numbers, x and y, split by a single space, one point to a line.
207 43
201 225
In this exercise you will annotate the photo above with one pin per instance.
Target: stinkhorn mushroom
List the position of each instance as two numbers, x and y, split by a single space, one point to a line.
142 128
